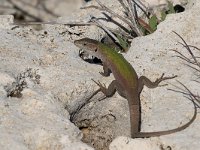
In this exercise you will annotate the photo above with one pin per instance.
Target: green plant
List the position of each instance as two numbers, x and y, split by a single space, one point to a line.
137 26
154 20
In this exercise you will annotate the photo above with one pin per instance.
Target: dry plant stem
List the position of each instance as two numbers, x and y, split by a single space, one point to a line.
112 12
140 21
188 60
131 8
135 12
131 14
109 11
104 8
105 29
193 57
133 18
54 22
124 6
187 93
190 63
116 15
145 25
196 81
194 47
182 56
188 48
195 97
125 32
198 70
139 5
121 32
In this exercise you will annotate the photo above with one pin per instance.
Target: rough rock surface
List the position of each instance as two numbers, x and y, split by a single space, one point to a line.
58 81
37 119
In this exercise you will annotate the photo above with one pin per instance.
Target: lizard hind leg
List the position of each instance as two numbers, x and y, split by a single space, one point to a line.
145 81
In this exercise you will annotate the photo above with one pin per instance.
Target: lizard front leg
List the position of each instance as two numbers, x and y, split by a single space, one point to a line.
106 71
145 81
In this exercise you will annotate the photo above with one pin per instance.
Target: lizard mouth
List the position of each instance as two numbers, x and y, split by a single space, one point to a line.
89 58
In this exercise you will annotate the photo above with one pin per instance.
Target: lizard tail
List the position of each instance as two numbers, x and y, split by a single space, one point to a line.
159 133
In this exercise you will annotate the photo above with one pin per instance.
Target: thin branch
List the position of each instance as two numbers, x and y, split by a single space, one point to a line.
133 17
188 48
178 91
194 47
187 93
124 6
125 34
139 5
135 12
104 8
53 22
111 12
193 95
193 67
181 55
105 29
110 19
196 81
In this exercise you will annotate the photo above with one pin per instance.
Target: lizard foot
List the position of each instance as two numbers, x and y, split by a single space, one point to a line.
102 86
162 78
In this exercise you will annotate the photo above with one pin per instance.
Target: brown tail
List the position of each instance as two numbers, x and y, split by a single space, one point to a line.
159 133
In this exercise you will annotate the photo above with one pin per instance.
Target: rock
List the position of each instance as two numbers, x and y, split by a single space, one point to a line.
39 117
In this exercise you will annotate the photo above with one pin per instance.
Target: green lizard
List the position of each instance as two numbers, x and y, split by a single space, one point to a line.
126 83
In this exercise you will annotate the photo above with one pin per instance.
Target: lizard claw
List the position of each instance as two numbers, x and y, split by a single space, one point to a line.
102 86
101 73
95 81
104 74
162 78
98 83
162 75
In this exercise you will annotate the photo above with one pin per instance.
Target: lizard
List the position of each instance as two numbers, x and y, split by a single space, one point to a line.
126 83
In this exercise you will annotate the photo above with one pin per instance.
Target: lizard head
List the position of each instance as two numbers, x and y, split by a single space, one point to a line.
88 45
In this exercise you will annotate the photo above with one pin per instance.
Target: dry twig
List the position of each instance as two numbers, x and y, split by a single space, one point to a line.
194 64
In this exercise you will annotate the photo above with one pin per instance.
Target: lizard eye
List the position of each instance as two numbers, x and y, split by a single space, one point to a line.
84 44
